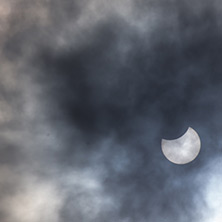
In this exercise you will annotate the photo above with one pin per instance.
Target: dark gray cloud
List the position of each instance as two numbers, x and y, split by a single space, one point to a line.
88 91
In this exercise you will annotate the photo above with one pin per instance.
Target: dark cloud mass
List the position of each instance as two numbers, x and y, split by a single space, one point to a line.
88 90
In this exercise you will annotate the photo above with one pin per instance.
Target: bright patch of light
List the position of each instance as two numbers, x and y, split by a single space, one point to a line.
213 196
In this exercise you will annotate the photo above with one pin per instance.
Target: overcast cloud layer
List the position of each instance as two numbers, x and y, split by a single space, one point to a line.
87 91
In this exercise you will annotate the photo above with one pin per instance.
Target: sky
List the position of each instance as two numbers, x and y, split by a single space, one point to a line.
88 89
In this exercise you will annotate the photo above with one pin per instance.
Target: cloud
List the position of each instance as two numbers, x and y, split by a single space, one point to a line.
88 90
35 201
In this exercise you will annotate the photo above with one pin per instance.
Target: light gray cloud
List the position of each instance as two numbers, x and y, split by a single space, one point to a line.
87 91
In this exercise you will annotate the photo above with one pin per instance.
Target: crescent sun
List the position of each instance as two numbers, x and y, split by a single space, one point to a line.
183 149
